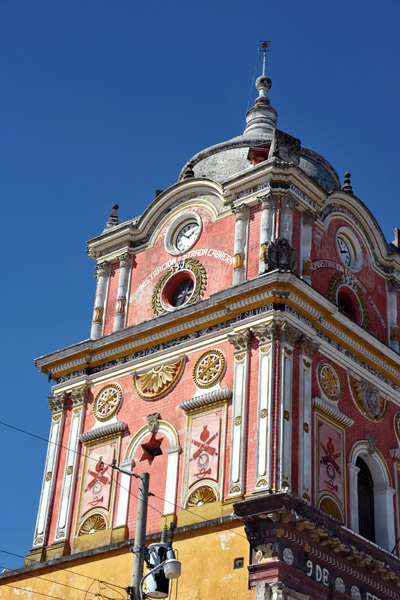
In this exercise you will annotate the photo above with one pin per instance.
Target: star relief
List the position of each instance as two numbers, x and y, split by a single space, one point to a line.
151 449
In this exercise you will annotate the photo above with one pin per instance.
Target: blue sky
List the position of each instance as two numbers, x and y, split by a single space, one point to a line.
104 101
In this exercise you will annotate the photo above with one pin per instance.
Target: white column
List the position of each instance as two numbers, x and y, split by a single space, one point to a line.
266 335
78 396
268 205
172 480
384 516
57 404
287 209
120 309
392 290
307 347
307 220
102 276
124 493
288 335
239 268
239 401
353 495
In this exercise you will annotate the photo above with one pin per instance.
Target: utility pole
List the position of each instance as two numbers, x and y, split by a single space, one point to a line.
140 537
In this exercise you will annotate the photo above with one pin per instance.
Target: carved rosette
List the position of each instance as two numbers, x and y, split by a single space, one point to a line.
368 399
158 381
209 368
329 380
279 254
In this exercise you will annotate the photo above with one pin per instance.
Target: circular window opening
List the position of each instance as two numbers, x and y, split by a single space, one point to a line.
347 304
178 290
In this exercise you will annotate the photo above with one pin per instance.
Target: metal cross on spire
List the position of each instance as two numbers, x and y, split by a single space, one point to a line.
265 47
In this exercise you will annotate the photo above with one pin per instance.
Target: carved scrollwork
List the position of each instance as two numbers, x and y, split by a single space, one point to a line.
240 340
368 399
279 254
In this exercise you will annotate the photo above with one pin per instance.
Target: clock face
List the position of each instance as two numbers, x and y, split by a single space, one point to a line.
344 250
107 402
187 236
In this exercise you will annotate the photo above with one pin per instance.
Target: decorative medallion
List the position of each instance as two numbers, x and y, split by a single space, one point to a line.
107 402
203 495
288 556
92 524
209 368
329 380
368 399
159 380
182 284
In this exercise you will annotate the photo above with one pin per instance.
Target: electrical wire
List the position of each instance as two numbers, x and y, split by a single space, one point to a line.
72 587
252 83
65 570
220 525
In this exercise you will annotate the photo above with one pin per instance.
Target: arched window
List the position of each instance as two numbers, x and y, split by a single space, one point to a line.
366 509
371 496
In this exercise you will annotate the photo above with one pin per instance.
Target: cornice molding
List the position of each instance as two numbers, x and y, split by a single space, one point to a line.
208 399
104 431
332 412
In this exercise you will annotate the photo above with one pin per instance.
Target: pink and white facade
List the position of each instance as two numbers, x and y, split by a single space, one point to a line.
244 349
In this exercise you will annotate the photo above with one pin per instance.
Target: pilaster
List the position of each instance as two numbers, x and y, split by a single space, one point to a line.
78 397
102 275
307 221
57 405
288 336
268 211
266 335
307 348
240 342
239 266
286 222
120 308
392 292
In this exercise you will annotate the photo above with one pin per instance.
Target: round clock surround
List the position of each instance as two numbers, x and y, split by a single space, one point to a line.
183 233
348 249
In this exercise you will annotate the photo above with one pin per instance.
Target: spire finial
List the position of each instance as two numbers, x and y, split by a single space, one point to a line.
113 218
265 47
347 183
261 118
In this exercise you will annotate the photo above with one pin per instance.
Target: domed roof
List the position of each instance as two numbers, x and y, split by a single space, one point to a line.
261 140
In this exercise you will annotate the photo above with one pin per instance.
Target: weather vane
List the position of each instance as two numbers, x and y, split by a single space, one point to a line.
265 47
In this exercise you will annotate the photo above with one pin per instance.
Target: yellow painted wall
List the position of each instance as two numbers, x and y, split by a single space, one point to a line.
207 556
